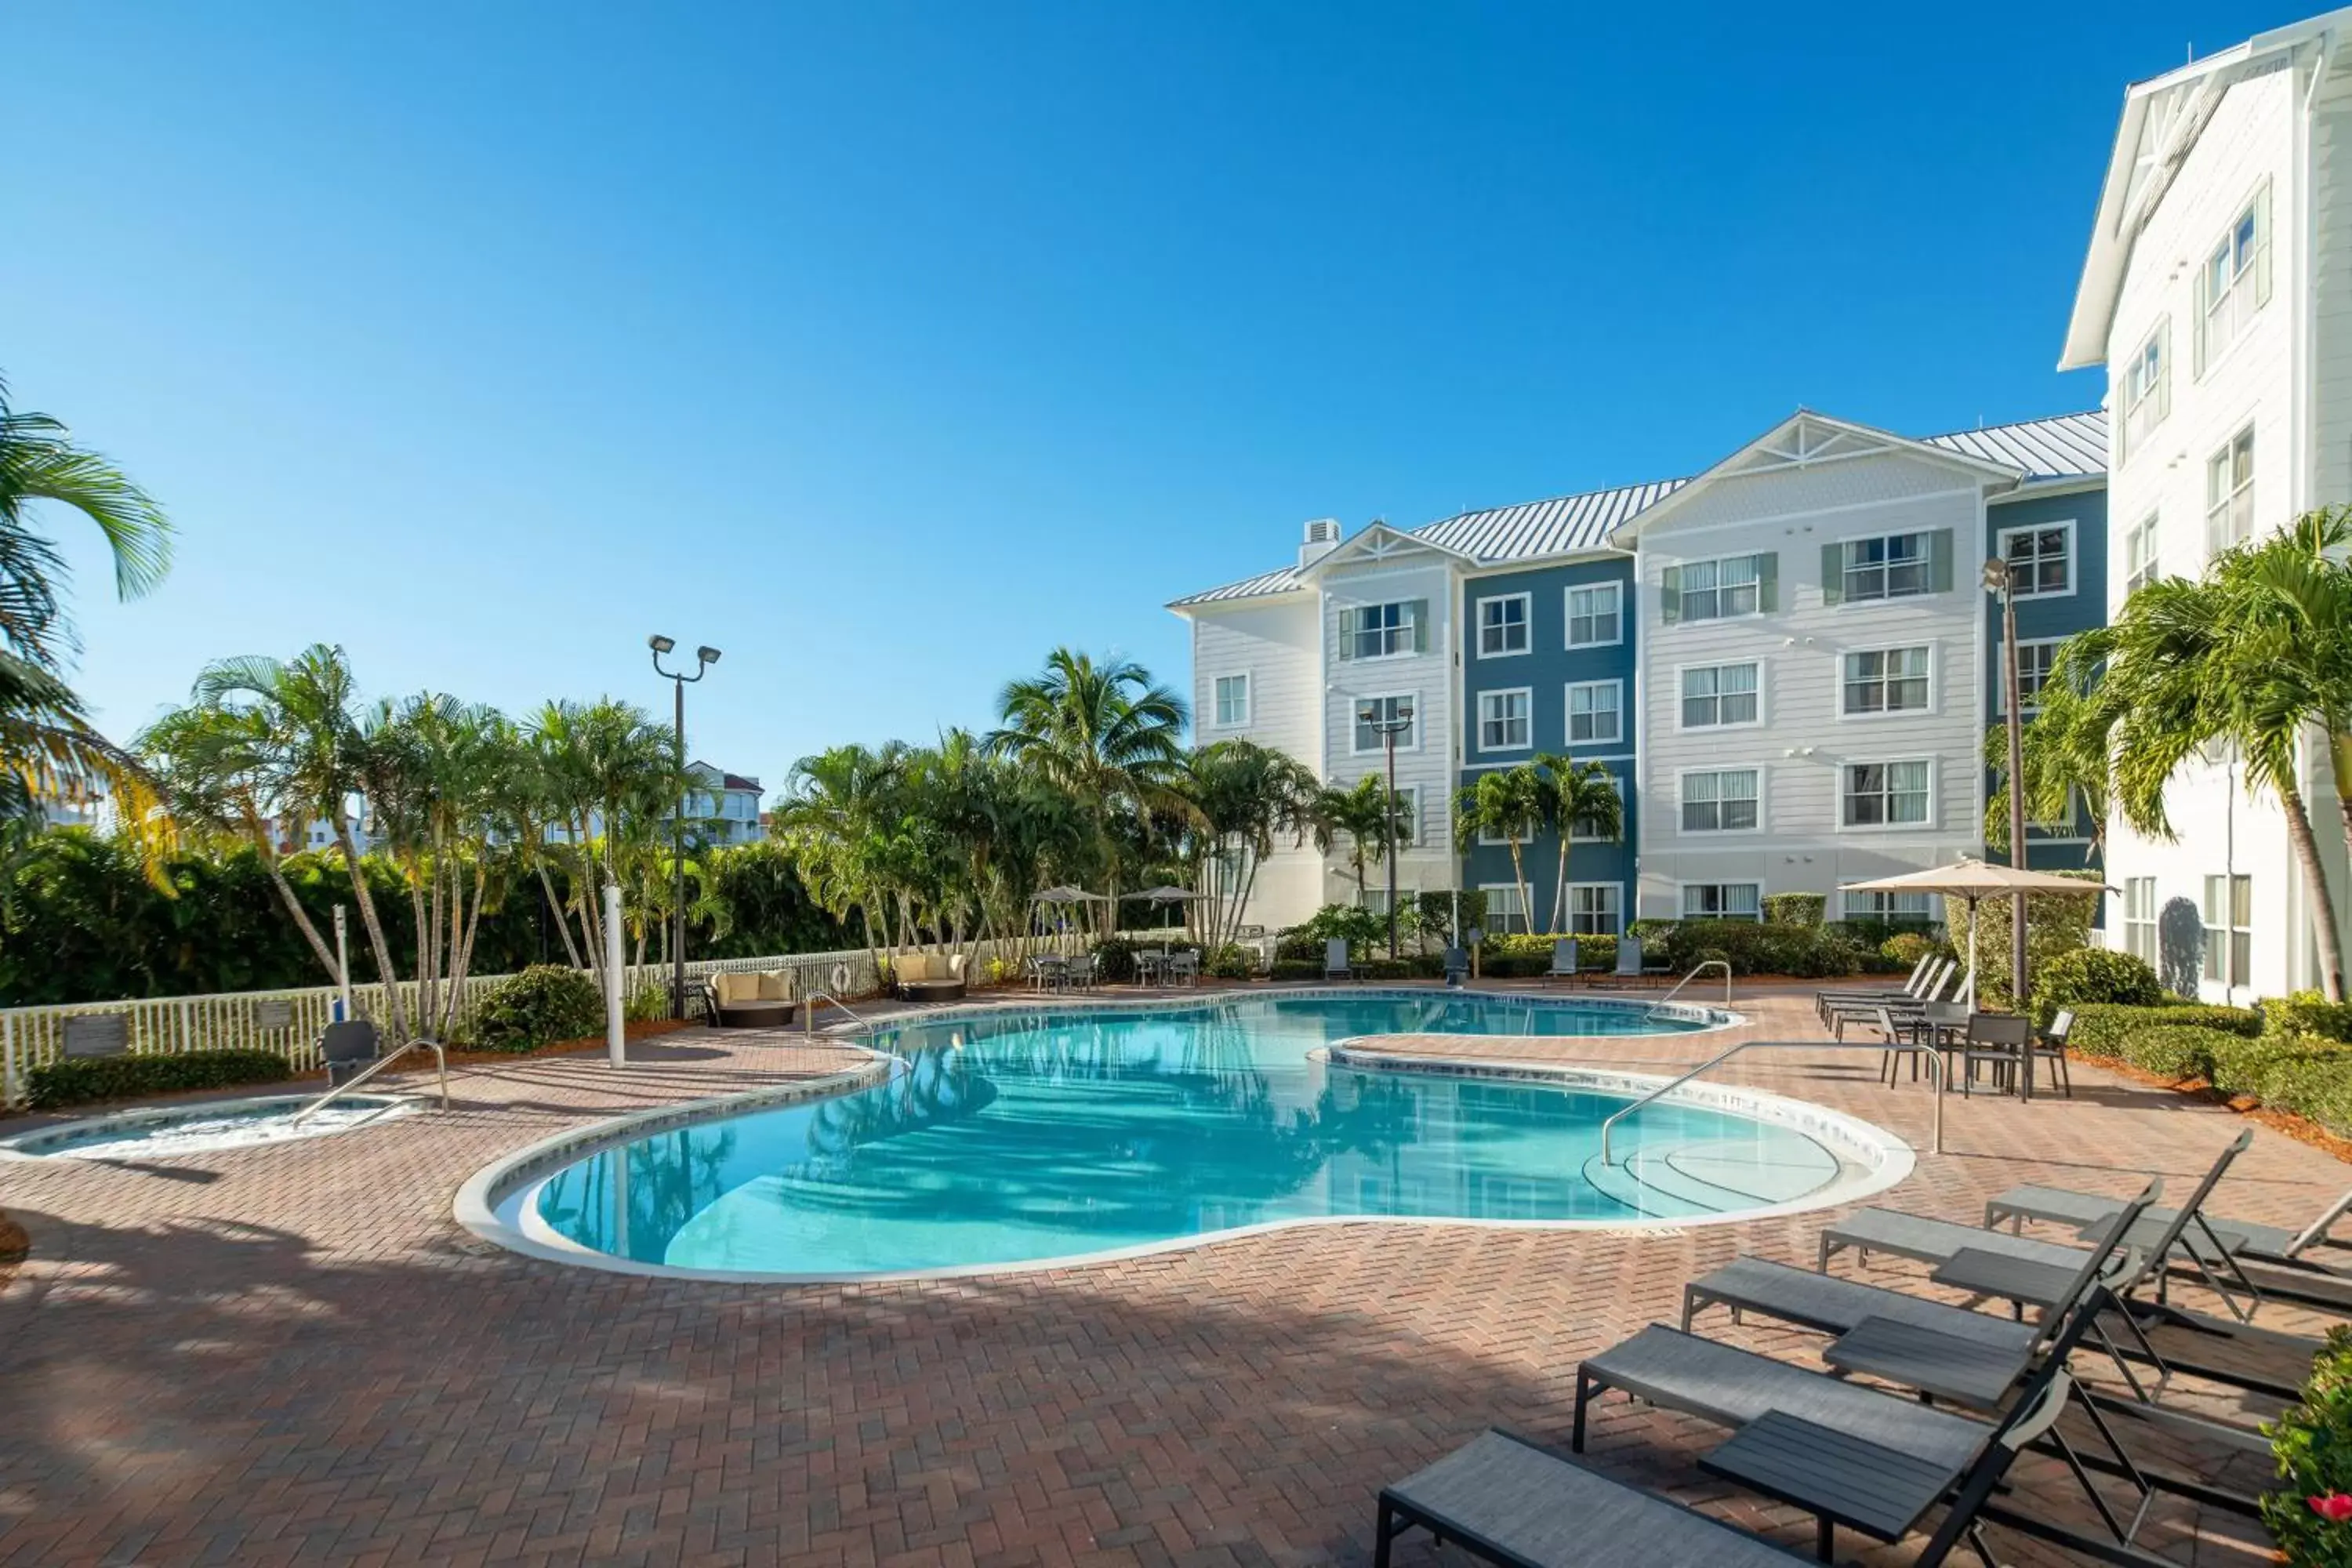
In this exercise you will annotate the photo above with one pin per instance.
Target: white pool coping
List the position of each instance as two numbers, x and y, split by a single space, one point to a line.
500 1204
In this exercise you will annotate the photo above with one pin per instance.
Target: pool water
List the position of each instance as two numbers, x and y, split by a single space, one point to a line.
201 1130
1025 1136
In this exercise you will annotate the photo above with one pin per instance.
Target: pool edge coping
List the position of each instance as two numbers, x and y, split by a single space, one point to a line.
493 1203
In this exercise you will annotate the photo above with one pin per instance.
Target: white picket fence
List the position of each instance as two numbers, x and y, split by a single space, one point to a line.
290 1022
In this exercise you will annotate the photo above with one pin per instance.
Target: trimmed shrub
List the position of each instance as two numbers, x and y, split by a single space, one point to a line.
1296 969
1795 909
78 1081
2106 1029
2092 975
2308 1013
1230 961
1114 959
2310 1509
1808 951
2177 1051
1435 912
546 1001
1904 949
2055 923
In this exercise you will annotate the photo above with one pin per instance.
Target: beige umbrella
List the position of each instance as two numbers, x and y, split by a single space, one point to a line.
1971 879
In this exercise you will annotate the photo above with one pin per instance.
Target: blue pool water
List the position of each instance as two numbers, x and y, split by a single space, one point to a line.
1036 1135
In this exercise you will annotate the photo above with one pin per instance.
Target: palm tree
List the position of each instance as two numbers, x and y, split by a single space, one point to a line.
1573 793
1246 798
608 776
1363 813
1508 802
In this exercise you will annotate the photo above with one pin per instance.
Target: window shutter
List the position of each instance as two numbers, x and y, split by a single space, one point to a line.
2164 369
1833 573
1940 562
2262 247
1767 581
2197 349
1347 634
1418 610
2118 400
1670 594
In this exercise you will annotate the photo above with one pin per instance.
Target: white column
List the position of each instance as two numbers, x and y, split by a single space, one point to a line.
615 1017
342 962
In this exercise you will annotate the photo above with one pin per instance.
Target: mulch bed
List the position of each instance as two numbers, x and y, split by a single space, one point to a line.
643 1030
2302 1129
15 1247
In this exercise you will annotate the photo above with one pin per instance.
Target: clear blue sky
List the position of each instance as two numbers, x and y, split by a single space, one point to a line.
885 346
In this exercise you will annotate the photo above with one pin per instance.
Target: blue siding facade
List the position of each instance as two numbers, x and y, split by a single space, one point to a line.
1546 672
2045 618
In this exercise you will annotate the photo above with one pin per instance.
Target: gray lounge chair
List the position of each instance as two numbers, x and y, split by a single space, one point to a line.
1924 973
1628 961
1563 960
2265 1243
1457 966
1502 1498
1335 959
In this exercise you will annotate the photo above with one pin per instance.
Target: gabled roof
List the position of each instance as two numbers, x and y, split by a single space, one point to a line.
2070 447
2162 118
1375 542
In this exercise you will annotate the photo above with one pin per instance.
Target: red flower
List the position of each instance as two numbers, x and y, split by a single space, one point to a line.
2336 1508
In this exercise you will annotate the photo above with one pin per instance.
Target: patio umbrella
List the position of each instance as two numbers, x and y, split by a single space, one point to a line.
1063 893
1970 878
1168 895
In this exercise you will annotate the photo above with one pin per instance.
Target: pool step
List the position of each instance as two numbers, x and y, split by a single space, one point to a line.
1711 1175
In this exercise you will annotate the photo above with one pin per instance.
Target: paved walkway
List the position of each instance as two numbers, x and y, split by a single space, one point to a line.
294 1354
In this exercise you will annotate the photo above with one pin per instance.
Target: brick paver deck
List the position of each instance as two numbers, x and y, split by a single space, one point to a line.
294 1354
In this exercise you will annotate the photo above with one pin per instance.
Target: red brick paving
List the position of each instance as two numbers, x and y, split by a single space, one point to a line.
294 1354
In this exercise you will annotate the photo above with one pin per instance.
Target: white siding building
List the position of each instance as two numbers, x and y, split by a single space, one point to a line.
2218 292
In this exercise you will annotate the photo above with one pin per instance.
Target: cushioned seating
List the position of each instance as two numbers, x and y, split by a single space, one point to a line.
749 1001
928 976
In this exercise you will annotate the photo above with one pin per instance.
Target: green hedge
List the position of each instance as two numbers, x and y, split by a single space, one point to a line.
1795 909
2306 1074
1296 969
2092 975
2307 1013
546 1001
2107 1028
77 1080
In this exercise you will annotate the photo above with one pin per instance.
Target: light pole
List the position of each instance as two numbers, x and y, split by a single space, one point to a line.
1998 580
1398 720
704 659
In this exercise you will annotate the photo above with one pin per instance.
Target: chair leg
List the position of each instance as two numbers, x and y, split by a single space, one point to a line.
1386 1535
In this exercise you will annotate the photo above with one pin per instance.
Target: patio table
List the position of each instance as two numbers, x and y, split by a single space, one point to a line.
1150 967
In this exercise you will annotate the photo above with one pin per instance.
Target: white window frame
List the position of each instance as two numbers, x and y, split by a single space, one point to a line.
1357 700
1845 682
2064 525
1217 701
2146 393
1409 796
1682 899
1680 670
2139 918
1615 912
1924 824
1754 584
2235 952
1407 628
1490 889
1408 894
1490 839
1881 907
1526 603
2231 511
1926 561
1527 695
2027 704
2146 538
2234 300
1576 837
1682 787
1616 689
1616 592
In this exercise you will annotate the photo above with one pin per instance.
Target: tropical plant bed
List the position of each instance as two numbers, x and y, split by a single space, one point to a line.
2302 1129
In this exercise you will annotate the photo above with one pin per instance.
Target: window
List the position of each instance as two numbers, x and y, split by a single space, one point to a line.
1384 631
2235 279
1594 713
2229 930
1593 615
1722 802
1716 589
1585 830
1504 912
1592 909
1894 567
1233 701
1375 896
2139 556
2041 559
1503 721
2034 660
2146 390
1885 680
1372 711
1884 795
2230 493
2139 918
1722 901
1891 909
1715 695
1503 626
1408 815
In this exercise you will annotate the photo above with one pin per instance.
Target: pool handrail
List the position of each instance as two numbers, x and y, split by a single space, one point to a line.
1942 1071
808 1015
1698 969
440 1056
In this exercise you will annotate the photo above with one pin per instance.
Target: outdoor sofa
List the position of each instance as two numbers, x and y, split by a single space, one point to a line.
928 976
749 1001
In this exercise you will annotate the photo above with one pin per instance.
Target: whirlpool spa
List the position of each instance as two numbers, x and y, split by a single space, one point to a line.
999 1137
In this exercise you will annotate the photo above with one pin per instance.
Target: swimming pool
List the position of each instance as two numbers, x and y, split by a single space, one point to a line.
1017 1137
203 1128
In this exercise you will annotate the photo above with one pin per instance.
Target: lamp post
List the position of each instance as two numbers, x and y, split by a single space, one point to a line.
1398 720
1998 580
704 659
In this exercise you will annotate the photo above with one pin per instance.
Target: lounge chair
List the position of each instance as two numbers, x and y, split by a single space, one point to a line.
1563 960
348 1047
928 976
1335 959
1628 961
1846 1454
1502 1498
742 1001
1923 973
1838 1014
1457 966
2265 1243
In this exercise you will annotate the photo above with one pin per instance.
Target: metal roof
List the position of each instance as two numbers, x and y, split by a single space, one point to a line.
2070 447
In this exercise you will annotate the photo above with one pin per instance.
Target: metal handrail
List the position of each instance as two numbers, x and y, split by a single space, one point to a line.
1942 1077
1698 969
808 1015
375 1067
